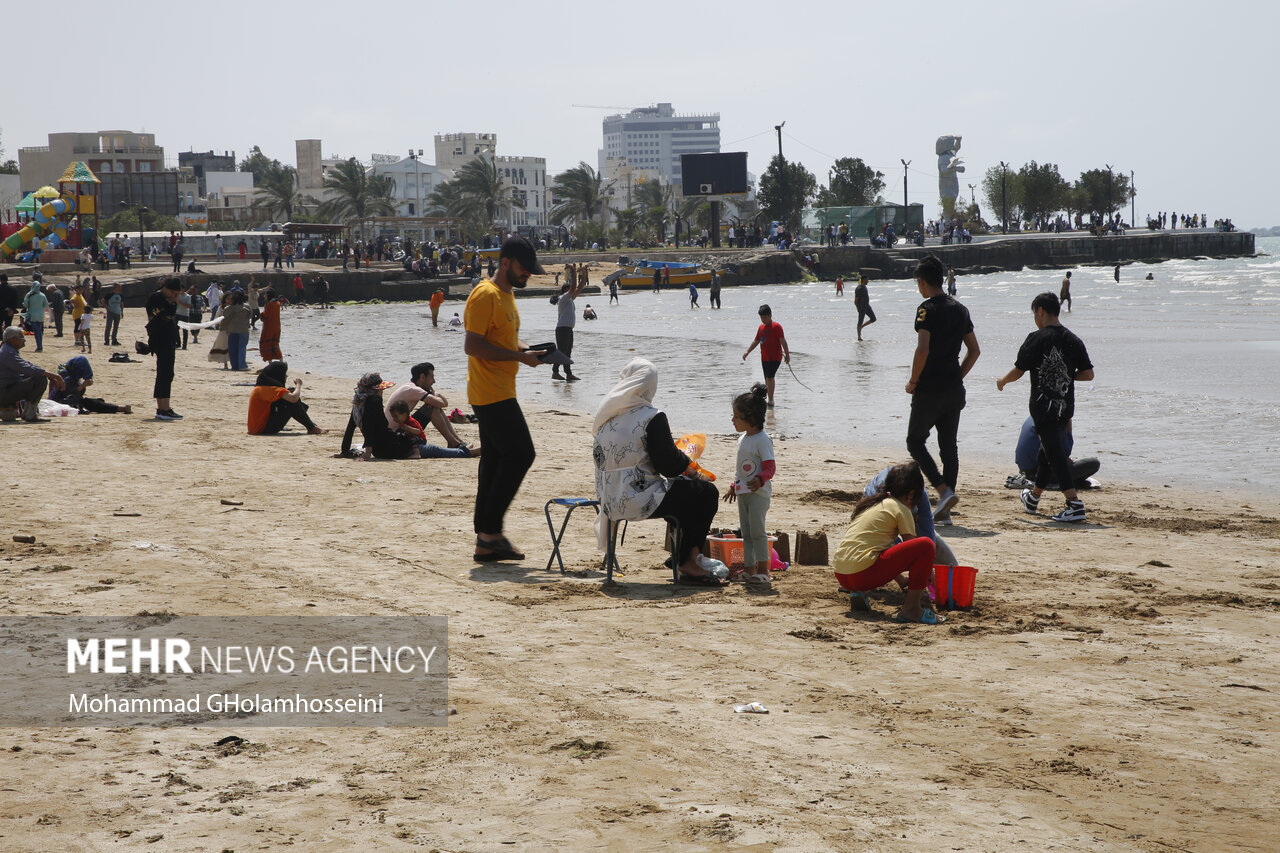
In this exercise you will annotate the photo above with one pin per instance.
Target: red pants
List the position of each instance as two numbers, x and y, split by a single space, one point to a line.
915 557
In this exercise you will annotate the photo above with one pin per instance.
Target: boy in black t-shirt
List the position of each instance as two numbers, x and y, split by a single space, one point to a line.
937 382
1057 360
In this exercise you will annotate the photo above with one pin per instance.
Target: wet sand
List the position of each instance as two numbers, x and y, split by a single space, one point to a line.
1112 688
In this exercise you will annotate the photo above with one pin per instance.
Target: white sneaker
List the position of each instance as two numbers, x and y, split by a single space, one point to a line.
946 500
1073 513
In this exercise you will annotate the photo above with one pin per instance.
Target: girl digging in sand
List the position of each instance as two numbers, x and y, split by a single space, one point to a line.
867 557
751 487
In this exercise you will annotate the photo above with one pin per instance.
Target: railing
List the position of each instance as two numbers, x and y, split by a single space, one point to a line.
93 149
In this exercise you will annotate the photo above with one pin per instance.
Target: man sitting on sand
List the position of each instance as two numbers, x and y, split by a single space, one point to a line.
22 383
433 403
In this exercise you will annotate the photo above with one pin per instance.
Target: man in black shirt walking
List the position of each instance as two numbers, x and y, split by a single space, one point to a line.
1057 360
936 385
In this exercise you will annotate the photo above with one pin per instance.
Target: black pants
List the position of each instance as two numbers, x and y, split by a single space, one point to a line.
57 322
694 503
564 343
508 455
715 299
282 411
96 405
1052 463
164 372
936 410
28 390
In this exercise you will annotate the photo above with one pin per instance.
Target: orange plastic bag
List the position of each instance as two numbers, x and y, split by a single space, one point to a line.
692 445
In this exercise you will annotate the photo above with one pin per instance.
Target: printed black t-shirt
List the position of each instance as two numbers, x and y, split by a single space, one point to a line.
1053 356
947 322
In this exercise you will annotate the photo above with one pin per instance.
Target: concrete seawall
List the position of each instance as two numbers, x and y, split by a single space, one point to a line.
767 265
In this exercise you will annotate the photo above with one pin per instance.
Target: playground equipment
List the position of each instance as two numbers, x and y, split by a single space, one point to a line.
78 197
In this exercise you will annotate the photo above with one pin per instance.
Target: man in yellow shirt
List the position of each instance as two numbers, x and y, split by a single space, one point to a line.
494 355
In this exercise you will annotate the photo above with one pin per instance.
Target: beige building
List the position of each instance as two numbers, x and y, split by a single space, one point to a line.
453 150
106 152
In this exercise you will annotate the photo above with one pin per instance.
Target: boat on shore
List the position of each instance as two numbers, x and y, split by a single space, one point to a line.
639 274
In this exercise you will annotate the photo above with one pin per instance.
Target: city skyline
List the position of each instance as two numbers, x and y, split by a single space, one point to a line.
1161 90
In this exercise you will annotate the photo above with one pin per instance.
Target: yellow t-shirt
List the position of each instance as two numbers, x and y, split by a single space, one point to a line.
77 306
871 534
491 312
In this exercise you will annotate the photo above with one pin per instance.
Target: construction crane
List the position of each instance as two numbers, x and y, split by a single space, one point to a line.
600 107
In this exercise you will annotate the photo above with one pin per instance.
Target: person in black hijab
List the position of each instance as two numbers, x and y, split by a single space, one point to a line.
272 404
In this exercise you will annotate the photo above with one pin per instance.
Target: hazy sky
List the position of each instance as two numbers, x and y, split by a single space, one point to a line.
1169 90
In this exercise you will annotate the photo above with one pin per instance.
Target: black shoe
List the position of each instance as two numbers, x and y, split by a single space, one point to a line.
556 376
572 378
168 415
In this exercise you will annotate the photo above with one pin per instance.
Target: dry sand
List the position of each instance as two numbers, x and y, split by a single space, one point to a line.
1114 686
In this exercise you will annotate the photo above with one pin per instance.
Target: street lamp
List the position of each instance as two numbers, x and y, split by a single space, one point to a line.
972 200
1133 204
1110 206
1004 200
141 240
417 180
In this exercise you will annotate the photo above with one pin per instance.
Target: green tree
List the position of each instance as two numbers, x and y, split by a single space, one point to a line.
482 184
1092 194
785 188
627 220
356 193
1044 192
278 193
583 194
850 183
655 199
259 164
996 197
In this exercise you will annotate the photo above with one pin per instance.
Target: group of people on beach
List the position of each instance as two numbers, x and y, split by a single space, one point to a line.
640 470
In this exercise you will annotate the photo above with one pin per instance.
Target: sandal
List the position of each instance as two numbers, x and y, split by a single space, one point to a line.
499 549
858 601
928 617
759 580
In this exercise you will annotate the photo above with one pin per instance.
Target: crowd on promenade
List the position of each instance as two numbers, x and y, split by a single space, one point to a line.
641 470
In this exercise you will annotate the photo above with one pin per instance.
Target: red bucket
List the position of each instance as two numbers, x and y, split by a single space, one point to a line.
953 585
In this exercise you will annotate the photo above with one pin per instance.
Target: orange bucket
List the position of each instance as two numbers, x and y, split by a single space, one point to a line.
953 585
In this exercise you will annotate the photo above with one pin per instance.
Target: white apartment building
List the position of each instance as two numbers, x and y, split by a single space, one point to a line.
653 138
527 177
412 183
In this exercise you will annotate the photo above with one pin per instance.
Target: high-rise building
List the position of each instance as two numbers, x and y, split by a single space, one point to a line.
203 162
653 138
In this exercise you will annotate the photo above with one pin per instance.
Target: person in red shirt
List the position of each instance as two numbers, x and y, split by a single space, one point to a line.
269 340
773 348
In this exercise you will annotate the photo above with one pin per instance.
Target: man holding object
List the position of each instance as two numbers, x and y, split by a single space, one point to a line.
494 355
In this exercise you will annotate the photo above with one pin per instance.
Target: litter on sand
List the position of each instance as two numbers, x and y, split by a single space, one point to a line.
750 708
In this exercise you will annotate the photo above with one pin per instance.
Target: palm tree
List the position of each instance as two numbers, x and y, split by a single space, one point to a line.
655 199
584 194
628 219
278 192
481 184
356 193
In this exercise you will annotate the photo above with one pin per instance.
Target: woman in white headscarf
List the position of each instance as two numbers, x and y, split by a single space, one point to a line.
639 468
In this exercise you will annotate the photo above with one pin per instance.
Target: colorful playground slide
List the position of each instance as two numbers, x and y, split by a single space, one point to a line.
50 222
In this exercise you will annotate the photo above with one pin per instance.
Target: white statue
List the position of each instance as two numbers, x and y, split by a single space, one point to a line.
949 166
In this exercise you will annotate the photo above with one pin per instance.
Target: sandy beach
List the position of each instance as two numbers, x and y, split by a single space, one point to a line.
1113 687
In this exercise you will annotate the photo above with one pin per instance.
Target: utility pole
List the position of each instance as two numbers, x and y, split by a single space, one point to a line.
782 165
1004 199
972 200
905 164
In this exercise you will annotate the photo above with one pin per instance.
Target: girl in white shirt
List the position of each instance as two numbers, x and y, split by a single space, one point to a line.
751 487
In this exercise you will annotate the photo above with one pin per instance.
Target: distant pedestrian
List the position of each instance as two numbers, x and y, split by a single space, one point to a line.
773 348
163 340
715 289
951 281
693 295
566 318
1117 273
1064 296
862 301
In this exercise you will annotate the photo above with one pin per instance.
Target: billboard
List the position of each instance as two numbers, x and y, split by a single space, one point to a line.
713 174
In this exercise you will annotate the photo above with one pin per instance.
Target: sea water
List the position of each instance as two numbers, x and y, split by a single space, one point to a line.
1185 393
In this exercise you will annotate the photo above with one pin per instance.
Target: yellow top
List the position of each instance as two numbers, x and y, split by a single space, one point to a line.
492 312
871 534
77 306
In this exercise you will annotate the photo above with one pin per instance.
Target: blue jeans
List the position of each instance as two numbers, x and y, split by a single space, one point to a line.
435 451
38 328
237 343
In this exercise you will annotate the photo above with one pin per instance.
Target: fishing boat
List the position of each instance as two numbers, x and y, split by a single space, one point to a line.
639 274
